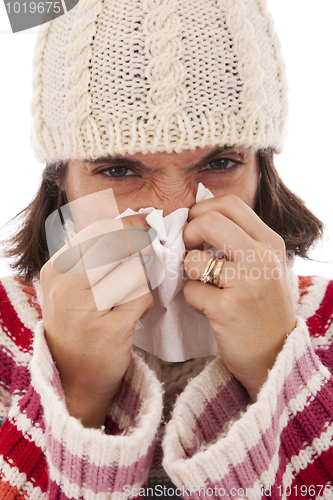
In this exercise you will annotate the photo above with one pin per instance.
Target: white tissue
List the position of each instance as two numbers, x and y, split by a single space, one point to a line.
172 331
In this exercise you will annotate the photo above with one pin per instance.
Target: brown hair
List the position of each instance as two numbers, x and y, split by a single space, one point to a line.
276 205
283 211
27 248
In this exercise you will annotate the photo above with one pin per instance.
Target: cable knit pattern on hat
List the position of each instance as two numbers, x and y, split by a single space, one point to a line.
157 75
165 70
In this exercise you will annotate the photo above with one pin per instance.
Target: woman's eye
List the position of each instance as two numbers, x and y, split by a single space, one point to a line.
118 172
221 164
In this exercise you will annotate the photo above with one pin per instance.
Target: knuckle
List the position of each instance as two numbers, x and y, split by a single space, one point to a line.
45 274
276 241
55 295
207 219
229 199
135 271
279 242
133 265
191 257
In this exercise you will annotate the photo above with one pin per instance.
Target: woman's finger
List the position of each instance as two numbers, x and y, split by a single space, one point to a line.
119 283
139 292
220 232
133 308
204 298
113 247
234 209
195 264
110 240
231 274
97 273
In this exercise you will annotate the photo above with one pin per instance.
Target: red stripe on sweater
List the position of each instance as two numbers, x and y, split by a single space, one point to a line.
326 356
310 481
23 454
13 377
304 428
111 427
308 424
7 366
322 319
12 325
315 474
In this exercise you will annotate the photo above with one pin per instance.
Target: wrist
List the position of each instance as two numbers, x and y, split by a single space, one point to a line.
90 409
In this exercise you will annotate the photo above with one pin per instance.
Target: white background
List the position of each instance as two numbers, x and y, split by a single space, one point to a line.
305 31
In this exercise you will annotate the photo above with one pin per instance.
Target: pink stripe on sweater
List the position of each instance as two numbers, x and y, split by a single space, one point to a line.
208 425
243 475
56 382
128 400
31 406
97 478
227 402
303 369
55 493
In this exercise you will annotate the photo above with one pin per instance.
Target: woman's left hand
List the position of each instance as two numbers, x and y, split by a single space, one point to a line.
253 313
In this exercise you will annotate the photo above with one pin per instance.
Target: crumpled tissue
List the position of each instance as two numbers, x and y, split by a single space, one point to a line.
172 331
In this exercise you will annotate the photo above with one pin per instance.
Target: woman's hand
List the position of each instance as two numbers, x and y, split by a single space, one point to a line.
253 312
90 316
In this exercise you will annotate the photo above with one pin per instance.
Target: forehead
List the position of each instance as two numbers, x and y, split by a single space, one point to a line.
185 158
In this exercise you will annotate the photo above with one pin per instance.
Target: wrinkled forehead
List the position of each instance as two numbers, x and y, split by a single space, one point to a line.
184 157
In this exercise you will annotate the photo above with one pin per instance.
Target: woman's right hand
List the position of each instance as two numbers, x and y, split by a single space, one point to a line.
91 347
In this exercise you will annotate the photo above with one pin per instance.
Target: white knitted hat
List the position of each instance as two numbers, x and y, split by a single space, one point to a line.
127 76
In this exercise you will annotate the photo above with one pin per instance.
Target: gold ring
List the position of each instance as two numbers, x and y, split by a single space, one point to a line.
208 274
217 271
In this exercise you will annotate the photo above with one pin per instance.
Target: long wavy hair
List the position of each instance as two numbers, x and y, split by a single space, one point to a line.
276 205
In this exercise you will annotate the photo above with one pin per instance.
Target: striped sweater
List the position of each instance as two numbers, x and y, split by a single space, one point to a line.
173 429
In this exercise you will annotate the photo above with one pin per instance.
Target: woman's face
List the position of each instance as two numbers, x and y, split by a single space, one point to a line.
166 181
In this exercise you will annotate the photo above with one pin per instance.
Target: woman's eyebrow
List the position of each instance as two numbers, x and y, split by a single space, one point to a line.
210 156
118 160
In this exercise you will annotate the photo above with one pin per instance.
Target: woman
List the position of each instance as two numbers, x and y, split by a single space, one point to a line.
149 99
